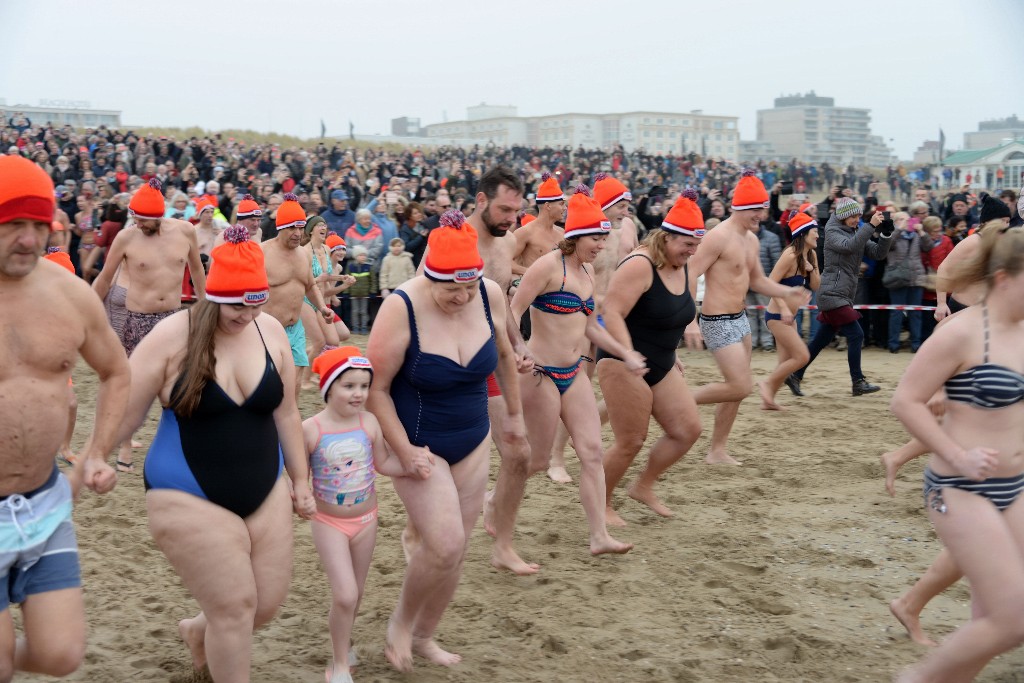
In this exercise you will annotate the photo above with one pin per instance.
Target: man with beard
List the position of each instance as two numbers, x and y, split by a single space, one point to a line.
153 253
290 271
51 318
498 200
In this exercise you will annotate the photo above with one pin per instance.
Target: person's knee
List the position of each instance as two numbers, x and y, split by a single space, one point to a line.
629 444
238 608
57 658
345 598
687 431
445 554
515 458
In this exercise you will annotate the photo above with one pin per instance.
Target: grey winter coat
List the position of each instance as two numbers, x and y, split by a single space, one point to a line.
771 248
903 249
845 248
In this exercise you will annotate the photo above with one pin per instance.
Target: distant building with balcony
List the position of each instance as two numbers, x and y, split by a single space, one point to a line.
74 113
656 132
812 129
995 133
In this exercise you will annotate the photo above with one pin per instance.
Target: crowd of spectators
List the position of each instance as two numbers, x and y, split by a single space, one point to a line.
370 196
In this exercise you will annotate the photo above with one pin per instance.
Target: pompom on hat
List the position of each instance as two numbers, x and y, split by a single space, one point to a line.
331 364
26 191
290 214
61 258
452 254
847 207
248 208
609 191
549 190
585 216
685 217
333 243
749 193
148 202
238 274
801 223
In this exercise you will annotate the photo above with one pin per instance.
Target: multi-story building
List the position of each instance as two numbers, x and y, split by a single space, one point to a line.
995 133
812 129
74 113
655 132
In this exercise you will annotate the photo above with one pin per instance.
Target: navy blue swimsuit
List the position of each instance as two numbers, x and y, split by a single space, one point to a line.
791 281
442 404
224 452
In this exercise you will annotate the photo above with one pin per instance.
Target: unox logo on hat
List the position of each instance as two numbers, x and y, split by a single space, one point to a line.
699 233
255 298
467 275
359 362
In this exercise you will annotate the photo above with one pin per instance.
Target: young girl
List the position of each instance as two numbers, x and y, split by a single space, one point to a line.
798 266
346 448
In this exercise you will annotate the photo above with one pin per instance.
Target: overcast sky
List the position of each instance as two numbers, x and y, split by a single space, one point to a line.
284 66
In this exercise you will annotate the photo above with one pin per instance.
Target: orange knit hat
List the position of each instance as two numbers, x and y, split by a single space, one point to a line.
148 202
26 191
334 242
685 217
585 217
59 257
801 222
237 274
750 192
331 364
56 226
290 214
526 218
609 191
452 255
549 191
248 208
203 203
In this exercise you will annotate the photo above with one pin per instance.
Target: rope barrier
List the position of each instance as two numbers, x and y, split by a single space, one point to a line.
862 307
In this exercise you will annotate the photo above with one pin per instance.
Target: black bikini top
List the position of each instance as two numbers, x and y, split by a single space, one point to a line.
987 385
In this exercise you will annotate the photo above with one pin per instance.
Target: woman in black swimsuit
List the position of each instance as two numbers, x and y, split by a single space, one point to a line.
217 505
975 476
647 308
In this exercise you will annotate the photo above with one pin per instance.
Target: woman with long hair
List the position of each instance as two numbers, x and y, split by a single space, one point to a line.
797 267
217 504
975 475
647 309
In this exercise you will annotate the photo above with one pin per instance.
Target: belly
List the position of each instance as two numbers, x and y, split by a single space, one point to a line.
33 419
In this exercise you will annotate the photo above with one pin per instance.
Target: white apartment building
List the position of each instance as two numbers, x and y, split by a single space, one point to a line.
655 132
812 129
75 113
995 133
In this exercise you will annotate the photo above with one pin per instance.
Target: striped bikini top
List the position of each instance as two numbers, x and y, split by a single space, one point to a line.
563 302
987 385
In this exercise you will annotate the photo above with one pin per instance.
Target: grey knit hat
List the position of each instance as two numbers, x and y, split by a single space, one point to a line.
847 207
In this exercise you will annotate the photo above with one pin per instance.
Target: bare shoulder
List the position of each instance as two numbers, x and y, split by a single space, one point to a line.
493 289
183 227
270 326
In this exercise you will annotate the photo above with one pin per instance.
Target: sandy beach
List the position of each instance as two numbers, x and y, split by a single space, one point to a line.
779 570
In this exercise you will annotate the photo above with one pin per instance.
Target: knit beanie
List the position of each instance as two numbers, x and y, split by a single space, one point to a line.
801 222
585 216
609 191
148 202
59 257
452 254
993 208
333 243
549 191
749 193
685 217
247 208
331 364
26 191
526 219
290 214
846 207
238 274
311 225
202 204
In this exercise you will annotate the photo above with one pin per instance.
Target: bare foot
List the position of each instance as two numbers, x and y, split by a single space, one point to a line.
559 475
195 638
429 649
611 518
123 466
398 647
720 458
609 545
489 514
767 398
136 444
911 622
509 559
892 468
648 498
334 674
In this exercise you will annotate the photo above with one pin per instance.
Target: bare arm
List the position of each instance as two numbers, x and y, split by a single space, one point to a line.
152 362
522 240
195 264
785 264
534 282
963 251
115 255
627 239
630 280
760 283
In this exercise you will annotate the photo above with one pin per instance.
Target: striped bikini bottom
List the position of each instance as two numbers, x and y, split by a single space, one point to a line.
562 377
1001 492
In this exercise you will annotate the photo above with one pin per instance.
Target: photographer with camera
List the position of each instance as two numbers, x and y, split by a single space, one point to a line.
904 277
847 241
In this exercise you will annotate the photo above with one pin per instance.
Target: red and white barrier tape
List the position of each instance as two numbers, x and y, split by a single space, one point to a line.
863 307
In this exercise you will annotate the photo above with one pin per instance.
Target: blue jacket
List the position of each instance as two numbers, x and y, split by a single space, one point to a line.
339 221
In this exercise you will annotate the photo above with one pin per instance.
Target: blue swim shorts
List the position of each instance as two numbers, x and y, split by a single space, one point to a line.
297 339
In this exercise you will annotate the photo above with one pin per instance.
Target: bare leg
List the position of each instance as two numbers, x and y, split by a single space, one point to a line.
54 626
907 608
556 470
502 504
125 457
630 413
793 355
734 363
892 461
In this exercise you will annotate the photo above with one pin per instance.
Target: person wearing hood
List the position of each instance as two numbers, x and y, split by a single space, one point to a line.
338 216
847 241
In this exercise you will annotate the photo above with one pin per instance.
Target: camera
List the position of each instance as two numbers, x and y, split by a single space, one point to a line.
786 187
